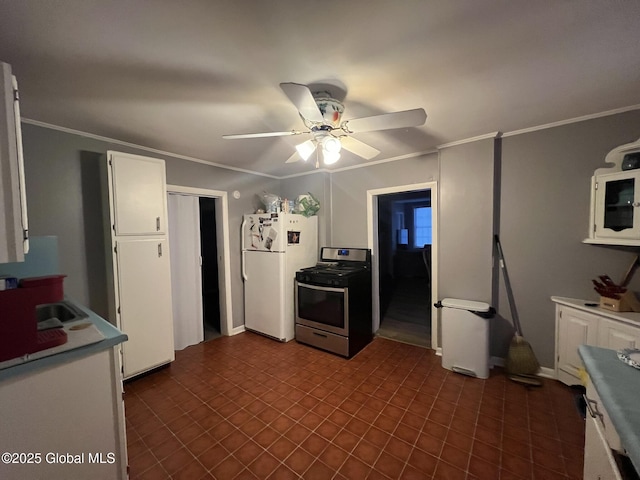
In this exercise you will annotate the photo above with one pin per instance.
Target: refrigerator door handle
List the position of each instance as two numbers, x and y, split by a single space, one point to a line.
243 261
244 222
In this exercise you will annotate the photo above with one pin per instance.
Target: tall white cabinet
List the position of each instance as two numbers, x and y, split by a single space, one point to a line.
139 262
14 231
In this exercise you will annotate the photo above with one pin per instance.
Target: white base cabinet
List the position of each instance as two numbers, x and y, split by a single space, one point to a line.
574 328
67 421
578 324
600 440
616 335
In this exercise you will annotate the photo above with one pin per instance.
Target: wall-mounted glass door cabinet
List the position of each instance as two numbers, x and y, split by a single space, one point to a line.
615 199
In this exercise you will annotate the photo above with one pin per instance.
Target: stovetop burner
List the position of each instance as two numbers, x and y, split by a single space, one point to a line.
337 266
335 269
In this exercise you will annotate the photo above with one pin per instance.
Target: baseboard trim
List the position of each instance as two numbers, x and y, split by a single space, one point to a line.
236 330
496 362
547 372
544 372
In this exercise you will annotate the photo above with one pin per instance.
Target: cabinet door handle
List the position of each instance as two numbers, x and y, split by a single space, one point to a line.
593 411
159 250
157 224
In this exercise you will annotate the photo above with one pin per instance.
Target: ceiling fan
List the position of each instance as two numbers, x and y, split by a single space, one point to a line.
321 114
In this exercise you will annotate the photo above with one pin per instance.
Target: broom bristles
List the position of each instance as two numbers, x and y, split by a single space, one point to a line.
520 359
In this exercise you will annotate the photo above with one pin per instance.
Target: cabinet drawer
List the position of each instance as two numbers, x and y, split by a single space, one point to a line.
616 335
321 339
595 408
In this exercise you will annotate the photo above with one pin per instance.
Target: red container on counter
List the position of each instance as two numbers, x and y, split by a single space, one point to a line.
18 328
18 325
47 289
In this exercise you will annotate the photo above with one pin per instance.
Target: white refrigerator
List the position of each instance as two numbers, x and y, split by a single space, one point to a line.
274 247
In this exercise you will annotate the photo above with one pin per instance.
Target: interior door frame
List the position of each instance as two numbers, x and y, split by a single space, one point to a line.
224 258
372 230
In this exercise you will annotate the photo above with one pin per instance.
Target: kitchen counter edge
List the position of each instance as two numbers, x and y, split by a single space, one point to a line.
632 318
112 337
617 385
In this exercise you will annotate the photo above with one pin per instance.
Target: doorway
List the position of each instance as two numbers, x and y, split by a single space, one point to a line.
209 263
402 225
404 253
201 290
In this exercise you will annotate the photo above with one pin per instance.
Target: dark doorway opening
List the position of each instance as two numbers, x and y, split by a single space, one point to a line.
209 253
404 249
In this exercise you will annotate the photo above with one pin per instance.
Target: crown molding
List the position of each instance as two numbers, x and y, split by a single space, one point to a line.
486 136
491 135
568 121
140 147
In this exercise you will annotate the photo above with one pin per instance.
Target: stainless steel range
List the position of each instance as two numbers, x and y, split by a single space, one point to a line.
333 301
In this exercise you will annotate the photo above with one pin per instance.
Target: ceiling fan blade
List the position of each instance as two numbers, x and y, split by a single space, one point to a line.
386 121
295 157
359 148
301 97
261 135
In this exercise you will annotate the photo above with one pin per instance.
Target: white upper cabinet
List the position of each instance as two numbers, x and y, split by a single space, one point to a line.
615 198
139 200
14 239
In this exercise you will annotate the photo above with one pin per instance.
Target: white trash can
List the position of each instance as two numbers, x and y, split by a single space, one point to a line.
465 336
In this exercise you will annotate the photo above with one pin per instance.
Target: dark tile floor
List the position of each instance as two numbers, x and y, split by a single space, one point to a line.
247 407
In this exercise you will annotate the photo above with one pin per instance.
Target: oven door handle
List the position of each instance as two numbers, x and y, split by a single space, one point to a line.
324 289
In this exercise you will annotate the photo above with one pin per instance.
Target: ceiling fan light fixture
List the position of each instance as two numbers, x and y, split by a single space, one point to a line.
305 149
331 144
330 157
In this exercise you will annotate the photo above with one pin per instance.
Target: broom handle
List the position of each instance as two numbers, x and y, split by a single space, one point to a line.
512 304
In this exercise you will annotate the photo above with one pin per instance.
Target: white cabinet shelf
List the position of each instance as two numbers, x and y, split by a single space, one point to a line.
578 324
614 217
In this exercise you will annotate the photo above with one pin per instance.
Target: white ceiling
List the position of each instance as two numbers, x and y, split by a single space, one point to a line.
177 75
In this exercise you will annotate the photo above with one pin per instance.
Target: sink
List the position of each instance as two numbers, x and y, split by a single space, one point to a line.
63 311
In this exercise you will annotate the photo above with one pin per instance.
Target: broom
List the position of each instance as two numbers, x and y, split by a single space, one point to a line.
522 364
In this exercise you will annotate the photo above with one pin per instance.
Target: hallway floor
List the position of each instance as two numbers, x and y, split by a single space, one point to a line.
247 407
407 318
